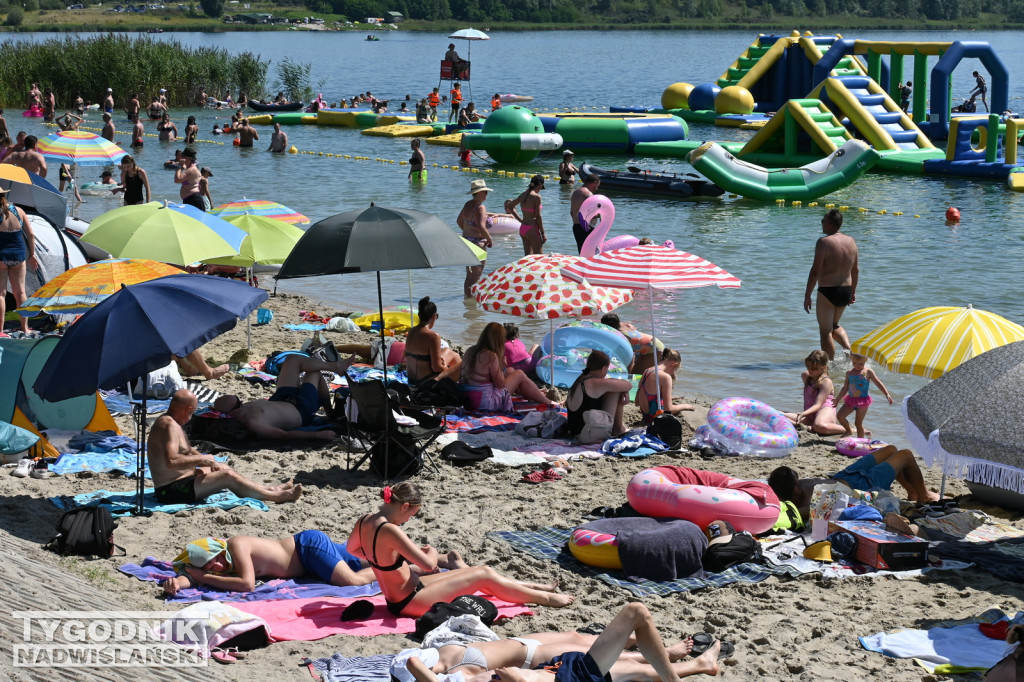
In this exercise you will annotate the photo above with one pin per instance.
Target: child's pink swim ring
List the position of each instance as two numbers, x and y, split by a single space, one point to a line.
852 446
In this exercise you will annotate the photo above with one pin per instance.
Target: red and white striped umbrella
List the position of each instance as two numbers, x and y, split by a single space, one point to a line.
648 268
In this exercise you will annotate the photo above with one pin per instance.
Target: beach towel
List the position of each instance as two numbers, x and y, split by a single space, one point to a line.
971 525
478 422
338 668
122 503
1000 558
117 461
633 445
101 441
512 449
119 404
550 543
959 648
305 327
154 570
312 619
256 375
656 549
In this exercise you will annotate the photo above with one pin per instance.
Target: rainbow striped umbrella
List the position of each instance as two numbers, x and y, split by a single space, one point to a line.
260 207
80 148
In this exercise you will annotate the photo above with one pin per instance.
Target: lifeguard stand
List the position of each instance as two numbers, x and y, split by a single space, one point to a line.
456 75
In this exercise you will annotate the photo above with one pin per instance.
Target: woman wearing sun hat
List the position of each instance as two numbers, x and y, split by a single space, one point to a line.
473 222
567 172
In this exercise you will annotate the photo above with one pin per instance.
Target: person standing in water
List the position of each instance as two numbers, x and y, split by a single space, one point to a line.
417 163
590 184
278 140
835 271
472 221
531 228
188 176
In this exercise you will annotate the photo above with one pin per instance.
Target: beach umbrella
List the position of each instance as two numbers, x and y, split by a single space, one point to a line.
78 290
136 331
958 419
377 239
932 341
650 267
260 207
79 148
169 233
34 191
535 287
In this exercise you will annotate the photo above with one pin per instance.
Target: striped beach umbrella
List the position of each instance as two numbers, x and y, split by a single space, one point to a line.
931 341
650 267
260 207
78 147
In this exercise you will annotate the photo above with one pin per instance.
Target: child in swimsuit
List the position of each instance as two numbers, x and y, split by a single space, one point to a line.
819 413
854 394
647 394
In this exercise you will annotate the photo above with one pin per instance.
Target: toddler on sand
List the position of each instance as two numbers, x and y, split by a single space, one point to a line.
819 412
854 394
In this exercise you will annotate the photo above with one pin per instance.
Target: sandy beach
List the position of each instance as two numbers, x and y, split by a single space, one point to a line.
783 629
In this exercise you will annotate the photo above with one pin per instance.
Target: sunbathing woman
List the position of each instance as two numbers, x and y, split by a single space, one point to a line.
602 661
425 359
647 394
378 538
487 384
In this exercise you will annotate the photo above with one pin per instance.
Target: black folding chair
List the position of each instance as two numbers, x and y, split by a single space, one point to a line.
392 449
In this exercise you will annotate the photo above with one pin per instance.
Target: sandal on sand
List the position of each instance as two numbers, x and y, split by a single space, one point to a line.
533 477
702 641
592 629
227 656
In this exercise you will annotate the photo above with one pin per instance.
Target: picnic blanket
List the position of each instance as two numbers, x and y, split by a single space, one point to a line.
338 668
946 650
154 570
550 543
312 619
117 461
478 422
120 404
122 503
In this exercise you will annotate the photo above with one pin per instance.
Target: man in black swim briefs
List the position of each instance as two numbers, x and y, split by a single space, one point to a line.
183 475
835 271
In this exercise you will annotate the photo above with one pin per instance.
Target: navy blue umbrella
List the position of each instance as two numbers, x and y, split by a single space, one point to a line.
136 331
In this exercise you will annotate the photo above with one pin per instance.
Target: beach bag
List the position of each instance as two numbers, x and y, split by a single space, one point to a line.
740 549
462 454
440 612
443 392
376 356
544 424
597 427
85 531
668 430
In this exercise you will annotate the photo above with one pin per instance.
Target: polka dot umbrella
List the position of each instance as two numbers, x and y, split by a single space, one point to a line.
534 287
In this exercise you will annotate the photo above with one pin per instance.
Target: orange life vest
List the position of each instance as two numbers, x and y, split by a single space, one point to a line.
456 96
433 99
496 103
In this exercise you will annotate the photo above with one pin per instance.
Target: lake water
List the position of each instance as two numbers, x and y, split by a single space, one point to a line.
749 341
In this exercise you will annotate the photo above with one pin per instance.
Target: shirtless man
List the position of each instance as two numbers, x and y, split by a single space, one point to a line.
108 101
183 475
590 184
137 132
301 391
69 121
188 176
835 271
246 133
877 471
472 221
278 140
108 128
133 107
28 158
155 109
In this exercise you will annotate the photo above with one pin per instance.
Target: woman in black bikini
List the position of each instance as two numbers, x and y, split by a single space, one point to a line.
425 359
595 391
389 551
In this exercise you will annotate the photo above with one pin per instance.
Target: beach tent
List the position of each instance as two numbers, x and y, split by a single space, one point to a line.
20 363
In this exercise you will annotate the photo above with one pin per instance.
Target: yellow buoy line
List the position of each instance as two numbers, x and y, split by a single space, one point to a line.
844 208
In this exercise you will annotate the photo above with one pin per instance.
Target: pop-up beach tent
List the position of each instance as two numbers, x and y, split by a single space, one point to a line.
20 363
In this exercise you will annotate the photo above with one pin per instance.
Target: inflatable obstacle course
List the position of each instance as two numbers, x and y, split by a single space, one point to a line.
802 130
982 147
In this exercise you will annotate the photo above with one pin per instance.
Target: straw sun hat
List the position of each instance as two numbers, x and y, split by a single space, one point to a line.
479 186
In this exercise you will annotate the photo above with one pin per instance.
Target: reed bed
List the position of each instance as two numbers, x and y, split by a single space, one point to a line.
129 65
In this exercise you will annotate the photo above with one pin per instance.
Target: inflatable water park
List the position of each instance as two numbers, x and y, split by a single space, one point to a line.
822 110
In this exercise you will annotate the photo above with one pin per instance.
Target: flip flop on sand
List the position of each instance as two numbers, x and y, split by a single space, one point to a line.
702 641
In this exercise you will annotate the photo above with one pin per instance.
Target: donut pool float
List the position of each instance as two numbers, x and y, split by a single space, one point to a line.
502 223
852 446
751 427
595 549
572 345
651 493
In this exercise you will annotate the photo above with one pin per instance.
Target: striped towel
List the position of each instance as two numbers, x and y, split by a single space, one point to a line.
120 404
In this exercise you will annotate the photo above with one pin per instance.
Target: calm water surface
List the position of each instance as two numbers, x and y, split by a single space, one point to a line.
749 341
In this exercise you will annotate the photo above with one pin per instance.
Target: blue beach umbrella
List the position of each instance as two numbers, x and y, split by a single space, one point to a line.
136 331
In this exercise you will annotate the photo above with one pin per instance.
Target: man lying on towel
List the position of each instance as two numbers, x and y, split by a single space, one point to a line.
183 475
233 565
876 471
301 392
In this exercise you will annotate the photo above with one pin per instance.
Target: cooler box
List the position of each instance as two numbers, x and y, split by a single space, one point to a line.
882 548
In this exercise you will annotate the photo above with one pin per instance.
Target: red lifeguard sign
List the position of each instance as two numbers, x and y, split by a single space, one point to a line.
449 73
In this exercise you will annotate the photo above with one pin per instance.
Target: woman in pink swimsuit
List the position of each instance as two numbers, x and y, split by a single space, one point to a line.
819 410
532 225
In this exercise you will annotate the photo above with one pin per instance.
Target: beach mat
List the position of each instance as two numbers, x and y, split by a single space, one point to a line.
122 503
340 668
120 404
154 570
550 543
308 620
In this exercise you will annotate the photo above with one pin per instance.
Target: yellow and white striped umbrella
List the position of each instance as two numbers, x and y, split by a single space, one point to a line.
932 341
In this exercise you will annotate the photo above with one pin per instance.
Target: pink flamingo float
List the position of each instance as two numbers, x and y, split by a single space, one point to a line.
596 215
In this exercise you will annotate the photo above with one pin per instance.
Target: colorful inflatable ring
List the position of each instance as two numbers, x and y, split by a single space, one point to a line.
751 427
851 446
501 223
33 112
652 494
595 549
572 346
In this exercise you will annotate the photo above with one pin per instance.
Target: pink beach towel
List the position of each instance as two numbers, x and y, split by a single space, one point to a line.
307 620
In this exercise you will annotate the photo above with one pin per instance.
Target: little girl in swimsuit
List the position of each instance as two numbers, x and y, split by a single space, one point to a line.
854 394
819 412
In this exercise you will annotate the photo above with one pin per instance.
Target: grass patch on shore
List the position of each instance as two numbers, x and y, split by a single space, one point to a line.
96 573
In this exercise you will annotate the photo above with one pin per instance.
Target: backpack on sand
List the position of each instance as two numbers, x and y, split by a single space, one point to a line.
85 531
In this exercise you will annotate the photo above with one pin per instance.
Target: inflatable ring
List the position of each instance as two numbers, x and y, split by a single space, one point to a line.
651 493
852 446
595 549
751 427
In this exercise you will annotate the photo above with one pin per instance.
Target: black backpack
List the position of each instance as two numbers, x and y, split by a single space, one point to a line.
85 531
668 430
740 549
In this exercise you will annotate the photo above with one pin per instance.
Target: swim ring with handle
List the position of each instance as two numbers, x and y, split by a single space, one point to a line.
751 427
653 493
595 549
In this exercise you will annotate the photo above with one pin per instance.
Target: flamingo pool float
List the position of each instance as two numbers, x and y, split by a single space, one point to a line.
596 215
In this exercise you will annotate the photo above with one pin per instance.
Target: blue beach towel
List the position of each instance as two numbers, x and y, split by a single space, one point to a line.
633 445
551 543
122 503
117 461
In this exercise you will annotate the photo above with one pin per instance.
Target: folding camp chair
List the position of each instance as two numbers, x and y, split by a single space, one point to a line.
391 448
